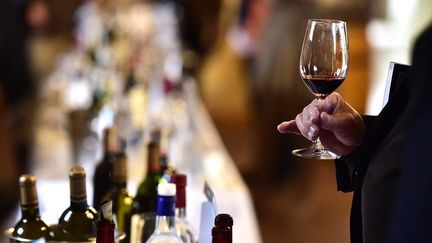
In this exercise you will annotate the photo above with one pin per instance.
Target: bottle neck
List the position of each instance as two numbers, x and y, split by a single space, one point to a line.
30 211
181 213
222 237
165 223
79 205
221 234
166 206
105 232
119 184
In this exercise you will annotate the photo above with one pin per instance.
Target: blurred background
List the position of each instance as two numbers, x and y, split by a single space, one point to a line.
242 55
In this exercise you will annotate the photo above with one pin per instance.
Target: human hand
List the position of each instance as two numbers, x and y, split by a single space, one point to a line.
339 126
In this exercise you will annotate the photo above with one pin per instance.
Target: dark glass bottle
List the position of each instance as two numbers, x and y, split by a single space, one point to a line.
105 224
122 201
103 173
146 196
222 230
184 228
30 226
79 221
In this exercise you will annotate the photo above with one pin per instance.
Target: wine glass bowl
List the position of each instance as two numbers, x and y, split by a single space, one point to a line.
323 67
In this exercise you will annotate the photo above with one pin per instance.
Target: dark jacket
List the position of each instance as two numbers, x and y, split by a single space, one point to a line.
374 170
412 218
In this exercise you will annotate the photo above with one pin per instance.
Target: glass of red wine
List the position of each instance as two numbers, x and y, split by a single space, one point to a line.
323 67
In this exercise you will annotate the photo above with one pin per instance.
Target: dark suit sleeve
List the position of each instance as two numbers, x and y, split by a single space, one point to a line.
348 167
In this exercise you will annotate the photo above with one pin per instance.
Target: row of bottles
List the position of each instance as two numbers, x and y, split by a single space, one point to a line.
79 222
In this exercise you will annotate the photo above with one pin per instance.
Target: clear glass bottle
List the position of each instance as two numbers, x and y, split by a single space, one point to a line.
122 201
105 224
103 172
183 227
165 230
79 221
30 226
222 230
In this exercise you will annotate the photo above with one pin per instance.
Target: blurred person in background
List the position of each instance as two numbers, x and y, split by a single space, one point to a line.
250 80
278 91
376 151
17 93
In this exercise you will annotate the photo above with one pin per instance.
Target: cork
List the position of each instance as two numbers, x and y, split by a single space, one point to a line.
28 193
77 182
111 139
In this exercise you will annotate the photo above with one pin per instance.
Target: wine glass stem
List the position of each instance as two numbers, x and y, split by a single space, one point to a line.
317 145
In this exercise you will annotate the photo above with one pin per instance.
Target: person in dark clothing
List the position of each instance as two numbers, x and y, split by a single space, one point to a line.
412 216
376 151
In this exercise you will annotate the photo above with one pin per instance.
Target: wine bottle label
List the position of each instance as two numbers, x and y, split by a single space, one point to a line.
28 193
77 177
106 211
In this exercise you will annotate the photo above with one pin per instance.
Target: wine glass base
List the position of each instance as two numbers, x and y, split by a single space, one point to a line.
314 153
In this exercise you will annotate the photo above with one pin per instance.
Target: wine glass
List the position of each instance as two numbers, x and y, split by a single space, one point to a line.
323 68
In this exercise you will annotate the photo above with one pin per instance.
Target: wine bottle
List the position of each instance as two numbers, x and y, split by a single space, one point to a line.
30 226
183 227
165 230
103 172
222 230
79 221
122 201
105 224
146 196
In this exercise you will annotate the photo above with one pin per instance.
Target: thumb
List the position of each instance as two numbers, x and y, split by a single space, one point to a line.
288 127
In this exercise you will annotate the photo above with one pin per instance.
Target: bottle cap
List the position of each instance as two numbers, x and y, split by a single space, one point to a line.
224 220
77 178
167 189
28 194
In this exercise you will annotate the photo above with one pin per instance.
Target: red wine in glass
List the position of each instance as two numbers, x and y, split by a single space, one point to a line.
322 84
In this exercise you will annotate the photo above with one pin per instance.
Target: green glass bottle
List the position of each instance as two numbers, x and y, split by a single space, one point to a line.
146 196
30 226
123 202
79 221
